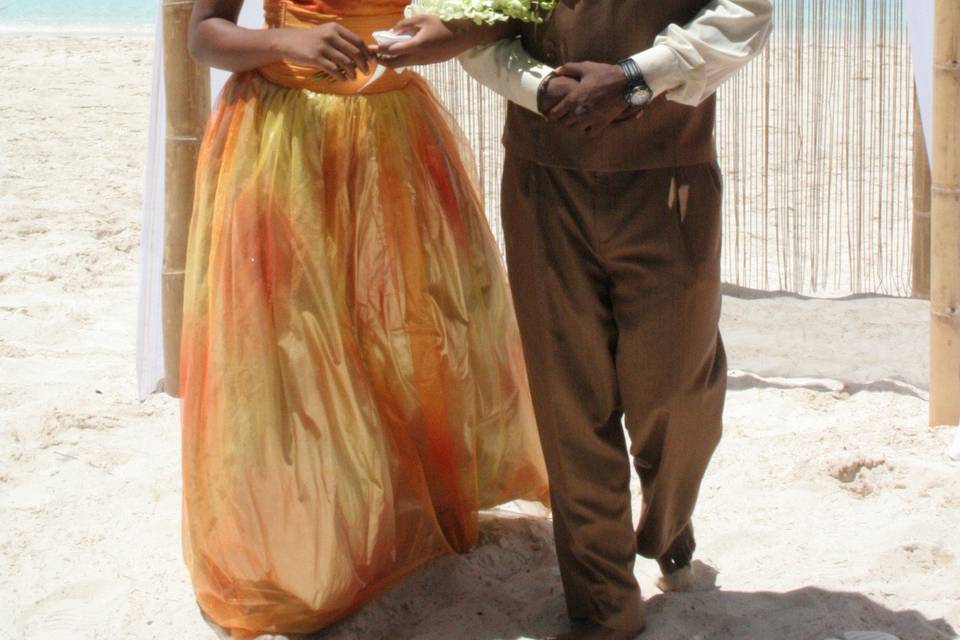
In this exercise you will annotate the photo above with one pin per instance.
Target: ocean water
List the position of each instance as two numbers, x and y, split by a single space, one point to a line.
72 14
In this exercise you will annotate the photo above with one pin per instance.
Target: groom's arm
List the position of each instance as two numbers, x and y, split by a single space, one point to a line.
686 62
689 63
507 69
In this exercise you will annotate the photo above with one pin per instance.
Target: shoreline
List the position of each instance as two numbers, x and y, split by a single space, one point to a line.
129 30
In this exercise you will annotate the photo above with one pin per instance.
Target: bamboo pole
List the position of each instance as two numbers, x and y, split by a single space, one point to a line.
921 207
945 219
187 86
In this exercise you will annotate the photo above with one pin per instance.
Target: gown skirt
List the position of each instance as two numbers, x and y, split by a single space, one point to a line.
352 376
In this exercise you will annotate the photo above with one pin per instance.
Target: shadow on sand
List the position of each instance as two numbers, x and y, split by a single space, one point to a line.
509 588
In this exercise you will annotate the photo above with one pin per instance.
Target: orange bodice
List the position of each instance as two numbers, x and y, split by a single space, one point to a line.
362 17
346 7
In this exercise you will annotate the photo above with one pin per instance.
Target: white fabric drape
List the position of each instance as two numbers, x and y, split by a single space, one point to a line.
149 317
150 371
920 23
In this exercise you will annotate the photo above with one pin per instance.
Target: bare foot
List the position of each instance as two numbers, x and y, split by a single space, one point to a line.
675 564
699 576
594 631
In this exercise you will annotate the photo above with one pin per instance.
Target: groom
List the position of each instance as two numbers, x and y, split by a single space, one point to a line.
612 227
611 213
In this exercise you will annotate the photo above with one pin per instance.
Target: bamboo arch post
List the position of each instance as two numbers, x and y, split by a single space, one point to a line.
921 207
187 86
945 219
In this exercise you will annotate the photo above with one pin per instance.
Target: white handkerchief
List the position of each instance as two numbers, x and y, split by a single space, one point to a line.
387 38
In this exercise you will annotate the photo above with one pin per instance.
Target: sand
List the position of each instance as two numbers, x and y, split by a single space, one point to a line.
830 506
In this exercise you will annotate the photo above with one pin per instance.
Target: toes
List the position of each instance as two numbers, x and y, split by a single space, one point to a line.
676 581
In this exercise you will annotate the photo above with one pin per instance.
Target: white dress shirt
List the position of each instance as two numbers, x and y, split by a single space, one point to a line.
686 62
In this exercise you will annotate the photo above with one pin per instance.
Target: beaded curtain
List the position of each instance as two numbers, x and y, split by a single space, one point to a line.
815 139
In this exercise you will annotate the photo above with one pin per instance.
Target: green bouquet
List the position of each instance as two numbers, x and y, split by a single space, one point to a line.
486 11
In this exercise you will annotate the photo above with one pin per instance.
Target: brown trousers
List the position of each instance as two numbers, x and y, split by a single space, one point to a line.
616 283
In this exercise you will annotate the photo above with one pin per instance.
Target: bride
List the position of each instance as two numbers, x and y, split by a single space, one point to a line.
352 378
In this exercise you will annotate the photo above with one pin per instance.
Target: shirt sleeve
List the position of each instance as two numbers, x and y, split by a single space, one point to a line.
507 69
689 62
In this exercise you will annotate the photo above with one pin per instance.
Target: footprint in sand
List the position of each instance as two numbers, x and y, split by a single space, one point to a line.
31 230
8 350
929 557
860 476
70 612
59 423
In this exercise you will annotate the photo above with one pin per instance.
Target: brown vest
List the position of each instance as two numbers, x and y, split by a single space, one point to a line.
668 134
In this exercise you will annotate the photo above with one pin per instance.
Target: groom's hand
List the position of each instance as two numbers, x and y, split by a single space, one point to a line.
596 101
556 89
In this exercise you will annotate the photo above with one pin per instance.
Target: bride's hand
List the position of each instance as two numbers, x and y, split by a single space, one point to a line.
433 41
330 47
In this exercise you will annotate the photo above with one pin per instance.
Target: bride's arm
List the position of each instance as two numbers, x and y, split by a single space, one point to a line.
216 41
491 53
437 41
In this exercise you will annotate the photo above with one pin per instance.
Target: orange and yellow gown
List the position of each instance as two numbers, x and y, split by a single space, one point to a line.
352 377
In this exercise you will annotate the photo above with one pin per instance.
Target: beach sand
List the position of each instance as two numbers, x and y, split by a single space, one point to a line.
830 506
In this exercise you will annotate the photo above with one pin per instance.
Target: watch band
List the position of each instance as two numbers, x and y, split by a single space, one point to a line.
633 73
637 92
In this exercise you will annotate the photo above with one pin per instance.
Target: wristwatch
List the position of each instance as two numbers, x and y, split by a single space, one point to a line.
638 93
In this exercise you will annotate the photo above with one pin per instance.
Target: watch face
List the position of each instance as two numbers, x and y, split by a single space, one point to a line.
640 97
